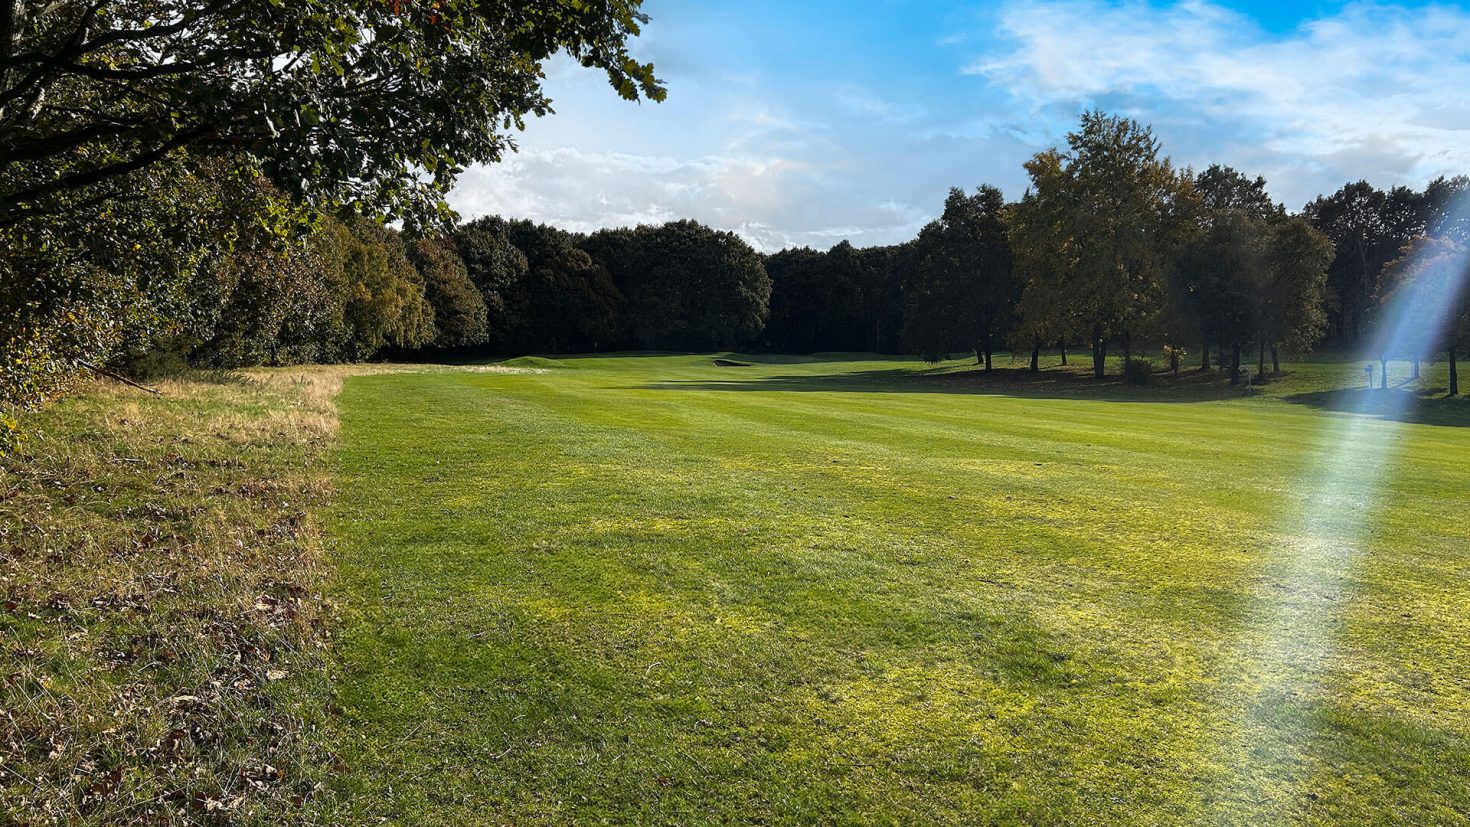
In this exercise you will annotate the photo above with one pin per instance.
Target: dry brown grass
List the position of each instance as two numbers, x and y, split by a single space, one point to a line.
162 626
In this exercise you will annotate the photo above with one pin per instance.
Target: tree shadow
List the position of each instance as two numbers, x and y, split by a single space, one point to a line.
1189 386
1420 406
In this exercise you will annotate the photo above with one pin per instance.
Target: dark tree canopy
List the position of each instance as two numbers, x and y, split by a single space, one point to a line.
685 285
563 301
961 293
355 101
1223 188
1357 220
1224 271
460 317
495 265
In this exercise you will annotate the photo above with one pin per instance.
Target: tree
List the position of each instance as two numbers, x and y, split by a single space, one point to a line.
568 303
800 299
1368 228
461 318
961 292
385 305
822 301
81 291
1447 208
1424 304
1224 271
381 103
882 271
109 110
1293 300
495 266
1223 188
685 285
1095 232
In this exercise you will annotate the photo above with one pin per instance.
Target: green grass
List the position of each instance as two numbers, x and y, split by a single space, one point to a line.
644 589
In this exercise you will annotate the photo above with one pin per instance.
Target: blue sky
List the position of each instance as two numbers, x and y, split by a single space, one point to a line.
806 123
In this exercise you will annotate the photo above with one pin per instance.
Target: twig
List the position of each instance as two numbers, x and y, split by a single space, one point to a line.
110 375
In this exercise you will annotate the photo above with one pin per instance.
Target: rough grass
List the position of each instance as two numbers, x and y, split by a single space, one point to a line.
838 590
162 627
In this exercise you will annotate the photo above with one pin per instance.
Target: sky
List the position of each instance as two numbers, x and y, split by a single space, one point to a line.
808 123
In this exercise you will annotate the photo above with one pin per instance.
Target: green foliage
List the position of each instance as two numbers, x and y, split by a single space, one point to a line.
126 128
461 318
385 303
961 291
1294 301
73 291
1224 270
685 285
1095 234
567 303
495 266
1225 189
342 101
829 301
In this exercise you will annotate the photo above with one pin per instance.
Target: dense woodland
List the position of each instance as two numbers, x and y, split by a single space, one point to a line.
1111 249
158 212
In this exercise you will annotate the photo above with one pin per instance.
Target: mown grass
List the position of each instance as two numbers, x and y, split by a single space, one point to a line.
839 590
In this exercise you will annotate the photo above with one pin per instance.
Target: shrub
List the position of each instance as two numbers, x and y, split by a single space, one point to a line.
1138 371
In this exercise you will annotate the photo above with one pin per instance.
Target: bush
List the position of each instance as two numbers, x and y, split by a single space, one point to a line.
1138 371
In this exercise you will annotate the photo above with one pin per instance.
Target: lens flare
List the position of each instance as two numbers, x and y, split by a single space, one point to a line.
1292 640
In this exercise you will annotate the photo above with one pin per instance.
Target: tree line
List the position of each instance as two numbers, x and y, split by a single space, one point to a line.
234 182
1112 249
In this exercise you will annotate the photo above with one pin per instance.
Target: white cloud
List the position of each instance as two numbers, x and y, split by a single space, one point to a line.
1373 91
769 200
791 152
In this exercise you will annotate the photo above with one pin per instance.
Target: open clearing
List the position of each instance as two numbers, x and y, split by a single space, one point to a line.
649 589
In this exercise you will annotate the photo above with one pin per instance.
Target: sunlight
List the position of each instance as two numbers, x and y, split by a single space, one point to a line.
1311 583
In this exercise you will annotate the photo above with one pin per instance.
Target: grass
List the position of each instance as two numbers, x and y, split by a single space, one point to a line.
646 589
161 635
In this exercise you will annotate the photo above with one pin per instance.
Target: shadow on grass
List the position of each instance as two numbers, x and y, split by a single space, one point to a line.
1421 406
1191 386
1426 406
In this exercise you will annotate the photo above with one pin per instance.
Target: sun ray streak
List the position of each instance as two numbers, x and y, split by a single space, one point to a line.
1288 650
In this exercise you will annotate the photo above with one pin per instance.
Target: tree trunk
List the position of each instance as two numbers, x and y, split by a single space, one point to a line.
1127 347
1261 358
1235 365
1036 358
1383 366
1064 354
1220 354
1275 360
987 360
1099 354
1204 353
1174 360
1454 374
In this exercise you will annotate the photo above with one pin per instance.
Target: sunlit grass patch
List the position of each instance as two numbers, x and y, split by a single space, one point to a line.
651 590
